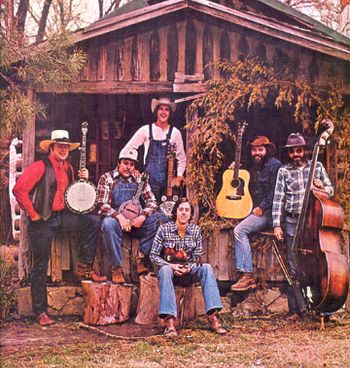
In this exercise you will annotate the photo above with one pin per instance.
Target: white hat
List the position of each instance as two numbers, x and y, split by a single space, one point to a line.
128 154
163 101
58 136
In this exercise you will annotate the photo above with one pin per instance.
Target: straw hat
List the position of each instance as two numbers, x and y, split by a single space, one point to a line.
58 136
163 101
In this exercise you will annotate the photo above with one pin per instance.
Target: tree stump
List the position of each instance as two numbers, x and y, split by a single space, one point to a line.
189 300
106 303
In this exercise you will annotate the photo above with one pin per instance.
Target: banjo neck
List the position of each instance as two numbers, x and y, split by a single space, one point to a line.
84 130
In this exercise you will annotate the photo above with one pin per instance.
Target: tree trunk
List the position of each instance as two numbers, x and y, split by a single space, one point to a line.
43 20
106 303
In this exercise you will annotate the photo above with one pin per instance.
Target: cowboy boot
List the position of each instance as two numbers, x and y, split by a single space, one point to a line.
84 271
117 275
44 320
169 324
247 281
141 268
215 324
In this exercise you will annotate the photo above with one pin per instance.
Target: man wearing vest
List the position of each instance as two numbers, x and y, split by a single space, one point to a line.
40 193
156 138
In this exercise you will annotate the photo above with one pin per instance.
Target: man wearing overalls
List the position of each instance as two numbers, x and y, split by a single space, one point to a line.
115 188
156 138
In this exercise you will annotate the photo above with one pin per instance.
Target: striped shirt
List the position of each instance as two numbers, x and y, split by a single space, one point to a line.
168 237
290 189
105 187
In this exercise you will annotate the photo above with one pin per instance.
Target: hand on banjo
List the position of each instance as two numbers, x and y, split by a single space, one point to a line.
138 221
83 174
124 223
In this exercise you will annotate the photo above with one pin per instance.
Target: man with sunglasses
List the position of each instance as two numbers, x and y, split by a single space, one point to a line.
288 201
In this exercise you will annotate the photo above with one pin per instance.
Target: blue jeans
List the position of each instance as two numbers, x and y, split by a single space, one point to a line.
41 234
113 235
203 274
248 226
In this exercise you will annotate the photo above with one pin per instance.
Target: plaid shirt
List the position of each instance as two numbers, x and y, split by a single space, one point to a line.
290 189
108 182
168 237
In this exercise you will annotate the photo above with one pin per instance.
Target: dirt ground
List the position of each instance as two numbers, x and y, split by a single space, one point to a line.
259 342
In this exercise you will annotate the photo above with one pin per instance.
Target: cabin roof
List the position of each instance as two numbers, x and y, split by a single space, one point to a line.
305 31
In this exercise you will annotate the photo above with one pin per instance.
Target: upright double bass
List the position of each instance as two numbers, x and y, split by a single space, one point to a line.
323 269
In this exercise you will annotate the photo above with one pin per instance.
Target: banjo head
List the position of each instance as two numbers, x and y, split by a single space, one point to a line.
81 197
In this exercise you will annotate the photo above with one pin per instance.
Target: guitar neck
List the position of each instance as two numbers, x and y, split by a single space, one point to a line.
169 190
82 163
136 197
238 154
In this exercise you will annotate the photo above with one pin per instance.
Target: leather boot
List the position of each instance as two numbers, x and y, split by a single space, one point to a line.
117 275
247 281
44 320
215 324
84 271
170 329
140 263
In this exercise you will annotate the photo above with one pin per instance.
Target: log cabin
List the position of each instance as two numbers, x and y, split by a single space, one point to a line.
149 48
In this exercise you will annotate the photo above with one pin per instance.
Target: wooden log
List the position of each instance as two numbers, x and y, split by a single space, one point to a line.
106 303
189 300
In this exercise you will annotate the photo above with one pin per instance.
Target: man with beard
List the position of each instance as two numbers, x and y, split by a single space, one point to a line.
176 249
263 173
288 201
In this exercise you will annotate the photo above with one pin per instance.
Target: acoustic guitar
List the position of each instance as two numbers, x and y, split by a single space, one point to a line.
234 200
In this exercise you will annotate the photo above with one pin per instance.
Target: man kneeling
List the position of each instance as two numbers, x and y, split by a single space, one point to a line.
176 248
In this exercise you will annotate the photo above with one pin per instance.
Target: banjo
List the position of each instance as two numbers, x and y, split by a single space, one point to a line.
80 197
132 208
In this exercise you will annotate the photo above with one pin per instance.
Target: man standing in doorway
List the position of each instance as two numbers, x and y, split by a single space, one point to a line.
288 201
263 173
40 193
156 138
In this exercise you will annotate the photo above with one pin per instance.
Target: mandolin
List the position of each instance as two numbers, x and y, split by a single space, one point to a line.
234 200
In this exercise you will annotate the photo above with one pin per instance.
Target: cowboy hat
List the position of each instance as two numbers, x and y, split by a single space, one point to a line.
295 140
163 101
58 136
128 154
262 140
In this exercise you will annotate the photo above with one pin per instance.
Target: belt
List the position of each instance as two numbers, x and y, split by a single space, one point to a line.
292 214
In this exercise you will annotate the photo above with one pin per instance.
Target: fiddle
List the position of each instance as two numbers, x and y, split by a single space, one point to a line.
172 255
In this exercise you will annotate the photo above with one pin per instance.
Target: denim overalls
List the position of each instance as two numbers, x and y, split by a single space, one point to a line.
156 163
112 231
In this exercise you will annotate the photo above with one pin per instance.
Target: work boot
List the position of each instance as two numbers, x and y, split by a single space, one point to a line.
141 268
117 275
215 324
84 271
44 320
170 330
247 281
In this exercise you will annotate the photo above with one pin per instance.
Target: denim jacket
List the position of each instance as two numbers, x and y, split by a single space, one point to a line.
262 183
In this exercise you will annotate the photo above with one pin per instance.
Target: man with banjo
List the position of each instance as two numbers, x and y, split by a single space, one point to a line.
40 193
120 193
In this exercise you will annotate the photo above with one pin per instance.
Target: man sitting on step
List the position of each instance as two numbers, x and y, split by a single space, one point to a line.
176 249
115 188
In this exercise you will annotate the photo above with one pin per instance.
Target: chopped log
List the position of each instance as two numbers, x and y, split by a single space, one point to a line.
189 300
106 303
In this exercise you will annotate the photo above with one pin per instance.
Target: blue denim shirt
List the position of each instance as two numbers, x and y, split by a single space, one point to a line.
262 183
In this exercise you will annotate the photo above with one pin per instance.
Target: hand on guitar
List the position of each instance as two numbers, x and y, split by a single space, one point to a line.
318 184
123 222
278 232
138 221
177 181
258 211
83 174
180 270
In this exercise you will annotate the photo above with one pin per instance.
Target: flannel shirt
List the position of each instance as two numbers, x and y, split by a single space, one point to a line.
290 189
107 183
168 237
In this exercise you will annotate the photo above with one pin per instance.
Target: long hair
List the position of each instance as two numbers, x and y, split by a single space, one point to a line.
176 206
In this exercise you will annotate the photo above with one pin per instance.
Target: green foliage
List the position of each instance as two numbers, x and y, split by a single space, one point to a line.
250 83
53 64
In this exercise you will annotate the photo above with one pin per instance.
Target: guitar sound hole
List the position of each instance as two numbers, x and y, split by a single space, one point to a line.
237 184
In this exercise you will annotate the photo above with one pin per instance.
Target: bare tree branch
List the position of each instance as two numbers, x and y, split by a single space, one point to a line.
43 20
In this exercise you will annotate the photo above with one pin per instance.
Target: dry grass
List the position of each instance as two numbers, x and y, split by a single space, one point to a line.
251 342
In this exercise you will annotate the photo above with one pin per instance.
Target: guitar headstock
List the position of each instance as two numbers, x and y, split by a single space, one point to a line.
84 127
241 126
145 177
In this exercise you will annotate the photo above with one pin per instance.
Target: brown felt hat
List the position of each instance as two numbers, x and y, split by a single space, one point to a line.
262 140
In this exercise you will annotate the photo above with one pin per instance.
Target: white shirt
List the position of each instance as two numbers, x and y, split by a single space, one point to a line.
142 137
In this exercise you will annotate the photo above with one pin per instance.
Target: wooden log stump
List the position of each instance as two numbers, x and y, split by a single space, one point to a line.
106 303
189 300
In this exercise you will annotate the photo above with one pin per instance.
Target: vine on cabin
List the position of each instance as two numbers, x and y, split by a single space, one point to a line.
248 84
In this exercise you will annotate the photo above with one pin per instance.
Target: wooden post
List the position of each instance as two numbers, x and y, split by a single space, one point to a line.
106 303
